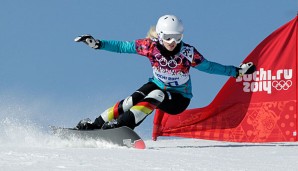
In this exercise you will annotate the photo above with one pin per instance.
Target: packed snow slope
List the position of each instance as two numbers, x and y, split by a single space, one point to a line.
25 146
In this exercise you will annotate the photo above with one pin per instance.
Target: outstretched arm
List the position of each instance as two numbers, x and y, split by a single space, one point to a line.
118 46
228 70
216 68
109 45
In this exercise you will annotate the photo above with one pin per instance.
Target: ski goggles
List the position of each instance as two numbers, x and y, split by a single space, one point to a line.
169 38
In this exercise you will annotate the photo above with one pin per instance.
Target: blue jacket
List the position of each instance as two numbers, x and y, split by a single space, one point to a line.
170 73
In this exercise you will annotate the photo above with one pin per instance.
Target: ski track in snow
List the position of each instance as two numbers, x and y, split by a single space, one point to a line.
25 147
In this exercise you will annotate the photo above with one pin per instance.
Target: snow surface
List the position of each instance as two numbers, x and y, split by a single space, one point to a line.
25 146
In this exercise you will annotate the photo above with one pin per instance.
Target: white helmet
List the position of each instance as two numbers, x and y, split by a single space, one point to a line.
169 24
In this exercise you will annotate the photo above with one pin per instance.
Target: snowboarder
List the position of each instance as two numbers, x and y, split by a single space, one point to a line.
170 88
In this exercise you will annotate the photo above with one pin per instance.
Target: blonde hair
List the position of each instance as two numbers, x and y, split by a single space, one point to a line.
152 33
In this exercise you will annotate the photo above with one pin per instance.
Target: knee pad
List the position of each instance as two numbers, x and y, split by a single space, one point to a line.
118 109
146 107
127 103
157 95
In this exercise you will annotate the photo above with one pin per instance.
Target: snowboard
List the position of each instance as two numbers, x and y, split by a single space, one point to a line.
122 136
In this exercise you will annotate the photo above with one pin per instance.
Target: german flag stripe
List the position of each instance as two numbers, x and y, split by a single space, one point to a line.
142 109
110 114
115 110
147 105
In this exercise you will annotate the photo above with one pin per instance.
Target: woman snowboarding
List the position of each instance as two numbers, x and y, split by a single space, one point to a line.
170 88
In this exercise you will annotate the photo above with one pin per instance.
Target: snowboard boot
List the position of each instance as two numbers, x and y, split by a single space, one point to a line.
127 119
110 125
98 122
87 124
84 124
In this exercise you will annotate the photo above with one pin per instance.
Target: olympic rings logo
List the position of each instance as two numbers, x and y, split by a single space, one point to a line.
173 63
282 85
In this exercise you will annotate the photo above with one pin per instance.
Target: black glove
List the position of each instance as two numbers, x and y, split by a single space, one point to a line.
89 40
246 68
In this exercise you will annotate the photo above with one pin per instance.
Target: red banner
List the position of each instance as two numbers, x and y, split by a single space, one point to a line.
260 107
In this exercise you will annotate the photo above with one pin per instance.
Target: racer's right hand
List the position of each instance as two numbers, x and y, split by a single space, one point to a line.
89 40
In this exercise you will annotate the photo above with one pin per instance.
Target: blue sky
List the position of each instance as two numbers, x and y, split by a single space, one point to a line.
48 78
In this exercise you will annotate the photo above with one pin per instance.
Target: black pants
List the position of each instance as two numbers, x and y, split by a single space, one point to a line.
173 103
